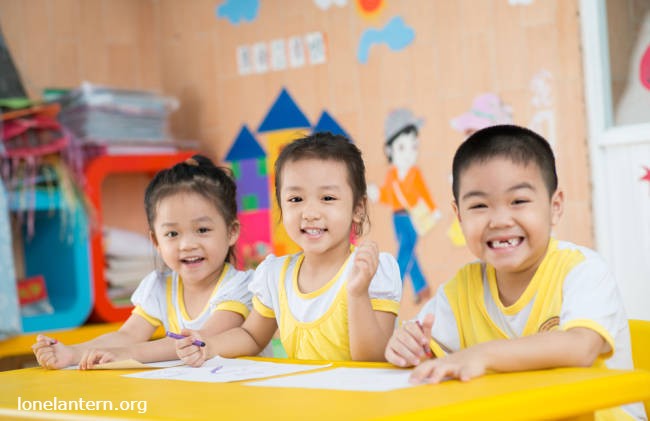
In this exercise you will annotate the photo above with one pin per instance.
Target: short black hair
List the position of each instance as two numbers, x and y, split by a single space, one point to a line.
518 144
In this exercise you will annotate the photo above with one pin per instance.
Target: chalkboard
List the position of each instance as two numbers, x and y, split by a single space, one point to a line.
10 83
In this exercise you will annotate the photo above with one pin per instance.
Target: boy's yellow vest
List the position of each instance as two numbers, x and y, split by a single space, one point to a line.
466 298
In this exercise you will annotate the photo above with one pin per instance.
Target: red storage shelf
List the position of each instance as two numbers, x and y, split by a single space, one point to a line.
96 171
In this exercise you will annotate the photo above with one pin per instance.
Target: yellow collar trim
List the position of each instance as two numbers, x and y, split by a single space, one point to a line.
528 294
324 288
181 300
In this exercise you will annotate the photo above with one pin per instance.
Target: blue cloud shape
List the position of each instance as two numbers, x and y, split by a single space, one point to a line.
236 10
395 34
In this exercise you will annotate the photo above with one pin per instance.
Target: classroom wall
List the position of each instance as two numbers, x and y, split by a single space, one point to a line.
525 51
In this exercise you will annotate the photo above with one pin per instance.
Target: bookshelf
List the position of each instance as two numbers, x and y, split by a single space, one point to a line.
97 171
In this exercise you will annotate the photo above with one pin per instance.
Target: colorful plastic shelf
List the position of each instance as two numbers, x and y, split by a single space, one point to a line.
97 170
58 250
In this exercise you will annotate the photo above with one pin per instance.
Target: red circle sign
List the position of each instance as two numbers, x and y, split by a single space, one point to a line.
644 70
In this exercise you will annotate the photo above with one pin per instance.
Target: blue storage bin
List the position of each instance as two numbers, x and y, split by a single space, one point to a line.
59 251
9 310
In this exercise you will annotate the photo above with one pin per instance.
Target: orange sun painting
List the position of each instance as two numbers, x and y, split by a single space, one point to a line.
370 8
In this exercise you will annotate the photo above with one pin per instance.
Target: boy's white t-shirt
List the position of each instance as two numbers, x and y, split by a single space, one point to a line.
590 297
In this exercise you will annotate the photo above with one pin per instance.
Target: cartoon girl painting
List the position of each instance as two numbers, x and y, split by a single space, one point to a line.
405 191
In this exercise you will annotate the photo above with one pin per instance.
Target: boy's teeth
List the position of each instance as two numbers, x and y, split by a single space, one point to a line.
192 259
313 231
507 243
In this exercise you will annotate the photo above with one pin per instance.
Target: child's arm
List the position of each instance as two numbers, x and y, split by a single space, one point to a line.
163 349
55 355
247 340
574 347
369 329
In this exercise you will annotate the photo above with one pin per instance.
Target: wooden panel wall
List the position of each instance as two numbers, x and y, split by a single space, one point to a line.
461 48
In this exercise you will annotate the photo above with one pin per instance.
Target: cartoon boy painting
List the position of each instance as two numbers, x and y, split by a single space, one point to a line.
404 190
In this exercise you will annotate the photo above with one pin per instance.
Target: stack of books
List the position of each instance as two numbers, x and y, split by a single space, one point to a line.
129 257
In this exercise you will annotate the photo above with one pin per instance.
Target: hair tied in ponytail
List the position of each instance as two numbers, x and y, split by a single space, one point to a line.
192 162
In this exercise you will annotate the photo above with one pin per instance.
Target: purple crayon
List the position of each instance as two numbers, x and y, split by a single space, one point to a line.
177 336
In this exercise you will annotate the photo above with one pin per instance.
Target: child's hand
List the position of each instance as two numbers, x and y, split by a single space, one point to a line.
463 365
52 354
190 354
410 343
364 267
91 357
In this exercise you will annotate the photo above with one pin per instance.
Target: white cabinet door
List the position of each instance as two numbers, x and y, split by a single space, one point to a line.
616 46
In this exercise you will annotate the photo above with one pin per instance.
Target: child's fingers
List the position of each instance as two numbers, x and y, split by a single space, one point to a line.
393 357
191 356
427 324
405 348
190 332
106 357
187 342
421 372
411 337
89 359
431 371
368 253
49 362
43 356
440 372
197 360
83 361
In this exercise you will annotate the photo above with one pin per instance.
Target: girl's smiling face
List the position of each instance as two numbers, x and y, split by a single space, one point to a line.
506 215
317 205
192 237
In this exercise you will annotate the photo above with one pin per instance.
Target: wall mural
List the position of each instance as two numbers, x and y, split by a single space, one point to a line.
252 159
326 4
414 211
238 10
396 35
543 120
279 54
370 8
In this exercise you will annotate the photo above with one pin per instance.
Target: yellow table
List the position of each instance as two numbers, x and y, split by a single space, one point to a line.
561 393
17 350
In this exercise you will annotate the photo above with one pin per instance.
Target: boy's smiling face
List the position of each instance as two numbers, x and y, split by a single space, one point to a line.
506 215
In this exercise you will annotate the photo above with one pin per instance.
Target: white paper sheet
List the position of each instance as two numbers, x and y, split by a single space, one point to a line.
220 370
359 379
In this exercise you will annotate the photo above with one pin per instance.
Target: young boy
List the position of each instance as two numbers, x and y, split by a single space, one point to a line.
530 302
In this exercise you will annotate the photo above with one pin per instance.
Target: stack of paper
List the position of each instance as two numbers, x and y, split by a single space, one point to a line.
118 118
130 256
